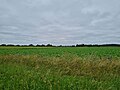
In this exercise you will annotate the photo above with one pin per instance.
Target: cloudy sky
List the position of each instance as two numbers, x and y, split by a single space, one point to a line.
59 21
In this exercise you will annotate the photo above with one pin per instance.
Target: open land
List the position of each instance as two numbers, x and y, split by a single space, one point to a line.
60 68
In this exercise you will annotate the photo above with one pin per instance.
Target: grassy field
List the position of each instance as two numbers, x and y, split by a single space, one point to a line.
72 68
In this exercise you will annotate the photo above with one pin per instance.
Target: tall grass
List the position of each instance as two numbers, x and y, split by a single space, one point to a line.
67 72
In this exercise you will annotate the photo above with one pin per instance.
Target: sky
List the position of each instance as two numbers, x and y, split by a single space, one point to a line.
60 22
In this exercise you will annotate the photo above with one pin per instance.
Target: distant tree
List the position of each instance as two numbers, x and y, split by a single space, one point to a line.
38 45
10 45
60 46
49 45
24 45
80 45
30 45
42 45
3 45
96 45
73 46
17 45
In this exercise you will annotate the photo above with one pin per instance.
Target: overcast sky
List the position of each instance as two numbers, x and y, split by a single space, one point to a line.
59 21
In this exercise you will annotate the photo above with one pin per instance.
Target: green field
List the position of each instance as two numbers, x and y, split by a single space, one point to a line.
60 68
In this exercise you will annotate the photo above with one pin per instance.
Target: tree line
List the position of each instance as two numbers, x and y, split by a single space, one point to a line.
50 45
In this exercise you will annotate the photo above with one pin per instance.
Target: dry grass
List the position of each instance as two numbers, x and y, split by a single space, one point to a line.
74 67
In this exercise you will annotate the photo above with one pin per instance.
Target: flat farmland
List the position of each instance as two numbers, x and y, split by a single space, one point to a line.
60 68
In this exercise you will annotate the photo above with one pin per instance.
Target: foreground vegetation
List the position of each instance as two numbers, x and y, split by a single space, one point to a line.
95 68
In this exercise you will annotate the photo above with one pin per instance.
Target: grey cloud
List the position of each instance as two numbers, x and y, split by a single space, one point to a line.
59 22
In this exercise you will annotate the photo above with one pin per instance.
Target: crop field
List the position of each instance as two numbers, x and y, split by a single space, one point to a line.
60 68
